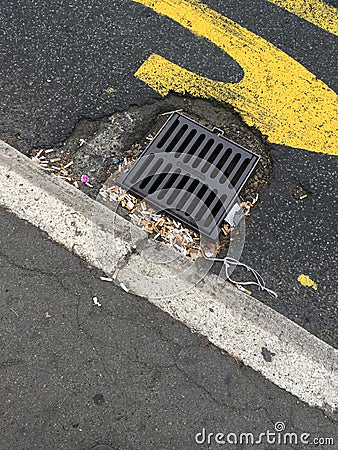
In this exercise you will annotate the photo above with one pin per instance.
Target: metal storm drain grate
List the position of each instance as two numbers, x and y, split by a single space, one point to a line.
191 173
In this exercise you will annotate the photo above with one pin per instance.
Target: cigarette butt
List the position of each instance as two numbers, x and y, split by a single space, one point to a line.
124 287
130 205
106 279
50 150
302 197
55 160
39 153
255 200
69 164
241 288
116 273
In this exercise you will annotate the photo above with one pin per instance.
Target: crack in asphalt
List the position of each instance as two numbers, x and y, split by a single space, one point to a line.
34 269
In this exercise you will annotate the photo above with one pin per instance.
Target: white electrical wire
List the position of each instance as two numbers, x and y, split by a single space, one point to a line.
228 261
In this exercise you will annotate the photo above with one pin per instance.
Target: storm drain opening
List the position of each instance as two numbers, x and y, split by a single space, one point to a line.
193 174
183 165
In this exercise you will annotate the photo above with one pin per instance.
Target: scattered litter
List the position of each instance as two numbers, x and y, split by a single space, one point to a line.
124 287
301 191
241 288
259 281
58 166
106 279
96 302
158 225
255 200
47 315
84 179
234 357
171 112
115 273
305 280
210 250
17 315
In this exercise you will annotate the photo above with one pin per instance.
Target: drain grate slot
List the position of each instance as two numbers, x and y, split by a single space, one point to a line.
191 173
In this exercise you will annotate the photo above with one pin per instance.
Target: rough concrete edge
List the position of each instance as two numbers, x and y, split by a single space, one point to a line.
303 364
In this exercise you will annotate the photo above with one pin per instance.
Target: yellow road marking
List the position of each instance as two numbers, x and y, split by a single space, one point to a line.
315 11
277 94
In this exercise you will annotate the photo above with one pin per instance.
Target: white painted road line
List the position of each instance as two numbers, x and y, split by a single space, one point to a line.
234 322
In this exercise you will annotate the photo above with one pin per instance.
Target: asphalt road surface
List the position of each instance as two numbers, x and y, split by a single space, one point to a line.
57 63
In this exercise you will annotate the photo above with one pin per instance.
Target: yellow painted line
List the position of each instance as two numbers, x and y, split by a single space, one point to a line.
277 94
315 11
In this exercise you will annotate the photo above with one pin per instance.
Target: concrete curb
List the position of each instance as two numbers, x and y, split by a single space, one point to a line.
241 325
